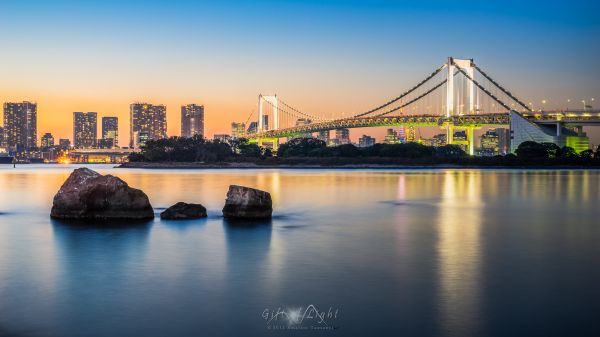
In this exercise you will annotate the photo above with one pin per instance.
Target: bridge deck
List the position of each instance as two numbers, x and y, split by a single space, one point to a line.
478 120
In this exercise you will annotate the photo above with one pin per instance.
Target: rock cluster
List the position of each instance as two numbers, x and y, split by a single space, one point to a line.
247 203
86 194
182 210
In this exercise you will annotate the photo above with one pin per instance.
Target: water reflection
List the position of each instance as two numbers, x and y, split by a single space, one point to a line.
99 267
402 253
459 224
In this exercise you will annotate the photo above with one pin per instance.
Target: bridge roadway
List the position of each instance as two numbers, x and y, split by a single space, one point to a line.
458 121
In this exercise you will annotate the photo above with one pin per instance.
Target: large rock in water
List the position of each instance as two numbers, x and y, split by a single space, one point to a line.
247 203
86 194
182 210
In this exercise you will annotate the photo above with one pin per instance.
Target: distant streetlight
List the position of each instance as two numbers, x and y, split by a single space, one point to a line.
543 105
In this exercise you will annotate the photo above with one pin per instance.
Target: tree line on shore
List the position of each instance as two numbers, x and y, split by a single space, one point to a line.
311 150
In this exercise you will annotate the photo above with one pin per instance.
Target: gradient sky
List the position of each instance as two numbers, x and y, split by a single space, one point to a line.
324 57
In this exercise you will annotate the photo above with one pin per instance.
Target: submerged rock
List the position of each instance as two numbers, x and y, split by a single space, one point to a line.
182 210
247 203
86 194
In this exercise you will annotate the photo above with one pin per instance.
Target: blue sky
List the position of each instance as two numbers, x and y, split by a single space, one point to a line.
323 56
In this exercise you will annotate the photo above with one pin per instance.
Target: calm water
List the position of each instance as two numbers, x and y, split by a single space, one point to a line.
395 253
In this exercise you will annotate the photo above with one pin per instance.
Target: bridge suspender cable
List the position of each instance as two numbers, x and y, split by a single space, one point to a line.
501 88
313 118
294 112
482 88
403 94
413 100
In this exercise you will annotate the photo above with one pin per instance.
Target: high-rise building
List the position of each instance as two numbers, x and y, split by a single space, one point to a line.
253 127
1 136
410 134
110 131
265 122
20 126
366 141
64 143
503 140
238 130
342 136
402 135
85 125
324 136
147 122
192 120
489 143
391 137
47 140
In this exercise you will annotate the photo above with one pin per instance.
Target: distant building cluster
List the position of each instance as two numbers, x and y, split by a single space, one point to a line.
18 135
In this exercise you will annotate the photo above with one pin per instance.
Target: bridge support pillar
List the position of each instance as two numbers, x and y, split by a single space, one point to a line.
471 140
273 143
449 133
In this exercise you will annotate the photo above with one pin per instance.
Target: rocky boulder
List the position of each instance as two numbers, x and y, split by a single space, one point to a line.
86 194
182 210
247 203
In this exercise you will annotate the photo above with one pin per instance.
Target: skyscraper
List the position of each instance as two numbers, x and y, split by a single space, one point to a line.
20 125
238 130
110 131
147 122
1 136
391 137
192 120
503 140
489 143
411 134
366 141
85 126
253 127
324 136
47 140
342 136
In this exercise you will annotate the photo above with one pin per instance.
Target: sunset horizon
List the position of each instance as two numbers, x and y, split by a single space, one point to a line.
111 54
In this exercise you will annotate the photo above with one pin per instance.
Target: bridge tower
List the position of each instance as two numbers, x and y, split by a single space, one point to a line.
467 66
272 99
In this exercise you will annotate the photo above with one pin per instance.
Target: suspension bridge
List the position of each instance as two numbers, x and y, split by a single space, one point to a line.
458 95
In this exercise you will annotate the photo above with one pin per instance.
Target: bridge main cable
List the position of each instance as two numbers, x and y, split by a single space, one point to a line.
501 88
313 118
437 71
415 99
481 87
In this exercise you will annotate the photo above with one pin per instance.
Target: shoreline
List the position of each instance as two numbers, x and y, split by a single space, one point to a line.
243 165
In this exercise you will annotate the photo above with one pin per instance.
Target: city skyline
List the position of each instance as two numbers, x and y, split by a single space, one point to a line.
325 63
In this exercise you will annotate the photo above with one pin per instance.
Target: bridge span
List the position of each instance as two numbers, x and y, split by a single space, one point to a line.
457 95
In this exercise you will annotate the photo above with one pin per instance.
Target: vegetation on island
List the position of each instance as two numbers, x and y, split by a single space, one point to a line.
311 151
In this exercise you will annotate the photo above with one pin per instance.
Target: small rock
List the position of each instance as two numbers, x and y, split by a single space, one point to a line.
86 195
247 203
182 210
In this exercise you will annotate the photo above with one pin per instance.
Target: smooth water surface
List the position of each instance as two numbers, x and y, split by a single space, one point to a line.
395 253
